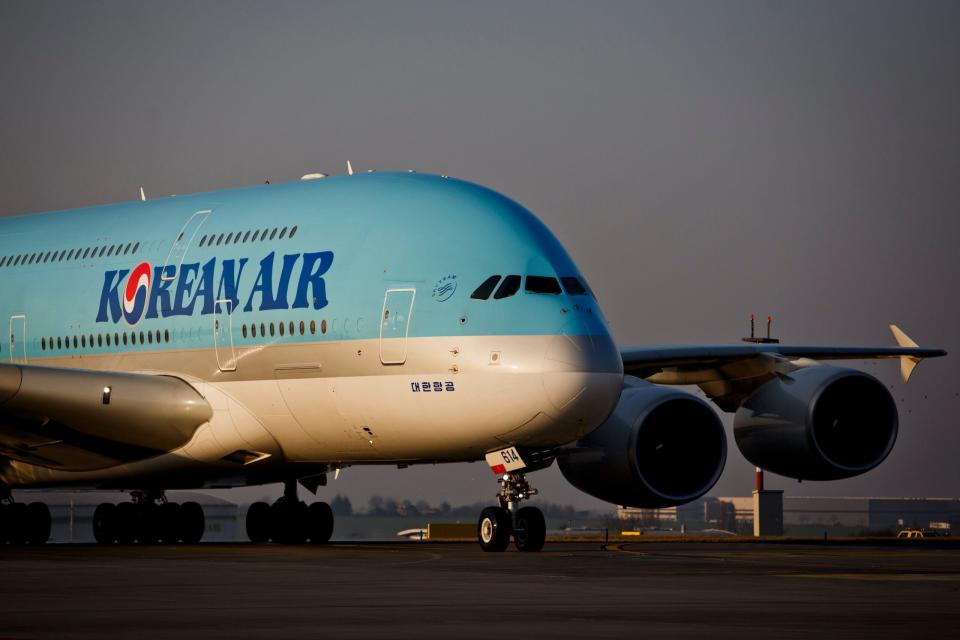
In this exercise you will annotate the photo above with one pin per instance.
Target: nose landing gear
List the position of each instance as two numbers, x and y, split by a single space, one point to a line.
526 525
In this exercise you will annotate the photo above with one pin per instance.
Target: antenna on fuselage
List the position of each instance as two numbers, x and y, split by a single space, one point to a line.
143 196
349 168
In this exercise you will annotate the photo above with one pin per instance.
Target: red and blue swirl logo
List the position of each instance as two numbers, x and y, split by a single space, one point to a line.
136 292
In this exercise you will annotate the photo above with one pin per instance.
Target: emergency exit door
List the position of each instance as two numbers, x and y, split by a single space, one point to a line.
395 325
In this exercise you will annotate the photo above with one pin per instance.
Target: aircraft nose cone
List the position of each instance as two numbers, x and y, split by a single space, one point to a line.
582 379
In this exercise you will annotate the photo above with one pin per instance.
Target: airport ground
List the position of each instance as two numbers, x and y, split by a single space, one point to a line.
649 588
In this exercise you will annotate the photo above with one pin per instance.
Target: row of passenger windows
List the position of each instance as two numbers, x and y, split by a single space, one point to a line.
82 342
71 254
249 236
281 328
533 284
125 338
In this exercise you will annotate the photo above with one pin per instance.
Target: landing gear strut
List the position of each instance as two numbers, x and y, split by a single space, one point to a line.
148 519
22 523
289 520
498 524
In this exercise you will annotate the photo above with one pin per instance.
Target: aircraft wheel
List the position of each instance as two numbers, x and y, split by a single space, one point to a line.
17 523
148 523
258 522
192 522
4 523
289 522
125 522
37 523
104 523
168 522
530 529
494 529
319 523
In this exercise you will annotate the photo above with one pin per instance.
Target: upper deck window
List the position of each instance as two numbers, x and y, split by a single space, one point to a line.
573 286
542 284
484 290
509 286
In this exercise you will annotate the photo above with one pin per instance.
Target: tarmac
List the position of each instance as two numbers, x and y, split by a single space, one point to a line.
653 589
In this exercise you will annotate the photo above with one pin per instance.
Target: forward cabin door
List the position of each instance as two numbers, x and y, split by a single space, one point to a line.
18 339
395 325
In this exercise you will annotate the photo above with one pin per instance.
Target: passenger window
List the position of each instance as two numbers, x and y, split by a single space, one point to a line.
255 234
543 284
323 326
229 238
246 236
293 231
99 339
509 286
263 330
281 328
283 233
313 327
272 328
290 326
272 235
484 290
243 331
302 328
166 335
203 240
135 247
102 251
110 251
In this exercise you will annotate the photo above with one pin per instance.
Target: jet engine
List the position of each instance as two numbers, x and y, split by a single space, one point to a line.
660 447
818 423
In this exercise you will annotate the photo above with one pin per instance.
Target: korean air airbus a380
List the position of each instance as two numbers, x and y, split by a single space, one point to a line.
282 332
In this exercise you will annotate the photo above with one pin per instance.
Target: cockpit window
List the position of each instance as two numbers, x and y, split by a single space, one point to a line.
509 286
542 284
573 286
484 290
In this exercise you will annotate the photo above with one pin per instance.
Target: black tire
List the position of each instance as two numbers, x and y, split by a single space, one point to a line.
258 522
288 522
192 523
319 523
168 523
494 529
4 523
104 523
17 523
148 523
125 522
38 523
530 529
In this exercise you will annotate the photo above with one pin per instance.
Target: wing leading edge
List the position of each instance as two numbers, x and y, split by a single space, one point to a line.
729 373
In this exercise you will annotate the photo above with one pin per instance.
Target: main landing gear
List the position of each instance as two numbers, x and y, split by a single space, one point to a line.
289 520
148 519
23 523
498 524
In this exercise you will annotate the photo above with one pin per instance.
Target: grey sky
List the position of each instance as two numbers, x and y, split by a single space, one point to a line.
699 160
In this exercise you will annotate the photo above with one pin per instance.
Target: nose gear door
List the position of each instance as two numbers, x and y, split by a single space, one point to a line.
395 325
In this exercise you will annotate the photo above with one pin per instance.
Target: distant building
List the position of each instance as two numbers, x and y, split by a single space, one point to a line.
805 512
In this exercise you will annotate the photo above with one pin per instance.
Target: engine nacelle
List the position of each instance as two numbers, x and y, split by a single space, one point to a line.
660 447
818 423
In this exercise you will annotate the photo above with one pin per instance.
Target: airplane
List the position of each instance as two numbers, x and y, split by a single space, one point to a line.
281 333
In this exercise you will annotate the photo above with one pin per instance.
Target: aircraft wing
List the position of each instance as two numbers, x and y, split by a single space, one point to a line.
79 420
730 373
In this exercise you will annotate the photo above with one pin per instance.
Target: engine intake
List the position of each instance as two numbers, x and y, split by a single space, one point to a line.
818 423
660 447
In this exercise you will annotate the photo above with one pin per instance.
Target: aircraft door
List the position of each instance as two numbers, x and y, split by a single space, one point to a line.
178 250
223 335
395 325
18 339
